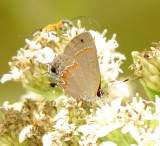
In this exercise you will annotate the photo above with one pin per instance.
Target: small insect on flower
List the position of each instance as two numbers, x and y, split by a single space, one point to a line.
58 26
48 33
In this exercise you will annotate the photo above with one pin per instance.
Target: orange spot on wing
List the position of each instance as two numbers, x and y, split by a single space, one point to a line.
83 51
64 76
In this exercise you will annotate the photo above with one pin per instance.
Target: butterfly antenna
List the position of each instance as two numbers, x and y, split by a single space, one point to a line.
90 20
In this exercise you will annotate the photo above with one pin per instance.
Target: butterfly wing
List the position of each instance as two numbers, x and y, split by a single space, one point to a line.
80 74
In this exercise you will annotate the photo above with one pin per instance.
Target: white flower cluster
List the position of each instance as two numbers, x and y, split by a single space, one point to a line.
68 121
31 63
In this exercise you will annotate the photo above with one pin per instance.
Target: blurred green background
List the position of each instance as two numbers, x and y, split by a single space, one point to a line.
136 23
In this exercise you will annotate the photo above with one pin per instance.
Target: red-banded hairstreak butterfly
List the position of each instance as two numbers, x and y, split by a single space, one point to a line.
77 69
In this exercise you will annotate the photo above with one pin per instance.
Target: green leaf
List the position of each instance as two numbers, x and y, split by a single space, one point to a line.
151 93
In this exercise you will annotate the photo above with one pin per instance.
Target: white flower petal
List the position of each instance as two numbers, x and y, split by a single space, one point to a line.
111 44
108 143
104 130
15 106
134 133
123 88
5 78
46 55
116 104
15 74
61 114
26 130
33 44
46 139
156 133
132 130
88 129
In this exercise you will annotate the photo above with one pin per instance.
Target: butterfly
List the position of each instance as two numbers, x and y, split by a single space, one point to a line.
76 69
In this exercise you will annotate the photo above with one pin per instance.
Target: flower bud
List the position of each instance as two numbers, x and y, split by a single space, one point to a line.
147 68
